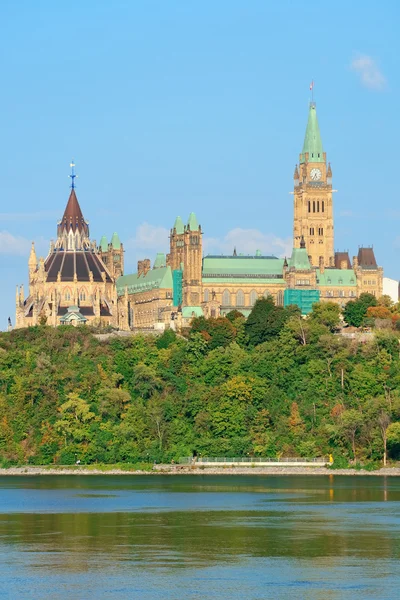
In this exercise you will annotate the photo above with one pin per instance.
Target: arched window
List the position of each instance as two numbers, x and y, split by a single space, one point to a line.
67 295
320 231
240 298
226 298
279 298
206 295
311 230
82 295
267 293
253 297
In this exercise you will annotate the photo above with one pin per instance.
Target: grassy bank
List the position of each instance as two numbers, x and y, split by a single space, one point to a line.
147 469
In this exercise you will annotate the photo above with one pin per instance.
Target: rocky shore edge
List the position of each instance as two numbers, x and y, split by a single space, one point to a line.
194 470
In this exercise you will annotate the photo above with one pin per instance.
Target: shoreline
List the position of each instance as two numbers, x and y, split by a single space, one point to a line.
29 471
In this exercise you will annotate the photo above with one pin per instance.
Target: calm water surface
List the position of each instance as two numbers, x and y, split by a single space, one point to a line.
195 537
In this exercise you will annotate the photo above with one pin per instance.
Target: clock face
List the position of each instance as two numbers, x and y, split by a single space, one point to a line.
315 174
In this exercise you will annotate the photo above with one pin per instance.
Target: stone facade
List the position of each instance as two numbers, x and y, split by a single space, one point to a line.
79 282
74 274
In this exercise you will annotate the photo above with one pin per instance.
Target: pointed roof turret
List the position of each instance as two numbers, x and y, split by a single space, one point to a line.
193 224
103 244
312 140
73 217
299 259
178 225
32 262
160 260
115 241
296 173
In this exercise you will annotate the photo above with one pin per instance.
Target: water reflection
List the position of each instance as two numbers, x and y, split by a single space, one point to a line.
334 537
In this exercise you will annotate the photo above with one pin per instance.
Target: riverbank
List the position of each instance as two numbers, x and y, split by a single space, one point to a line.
192 470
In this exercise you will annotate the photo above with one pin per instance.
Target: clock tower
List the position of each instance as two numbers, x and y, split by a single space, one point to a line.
313 210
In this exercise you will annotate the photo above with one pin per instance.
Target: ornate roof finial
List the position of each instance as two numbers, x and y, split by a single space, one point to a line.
72 165
302 242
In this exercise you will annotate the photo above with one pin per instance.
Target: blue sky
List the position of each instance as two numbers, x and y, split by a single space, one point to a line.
169 106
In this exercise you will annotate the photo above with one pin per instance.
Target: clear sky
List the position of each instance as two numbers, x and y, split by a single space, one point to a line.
171 106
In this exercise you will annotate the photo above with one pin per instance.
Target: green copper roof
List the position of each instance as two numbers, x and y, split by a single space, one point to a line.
178 225
312 141
336 277
115 241
299 259
154 279
191 311
236 266
192 222
104 244
160 260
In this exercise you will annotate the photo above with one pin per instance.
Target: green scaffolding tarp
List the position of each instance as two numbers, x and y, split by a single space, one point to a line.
304 299
177 287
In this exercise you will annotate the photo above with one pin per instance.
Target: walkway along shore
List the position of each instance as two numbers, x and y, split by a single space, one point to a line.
195 470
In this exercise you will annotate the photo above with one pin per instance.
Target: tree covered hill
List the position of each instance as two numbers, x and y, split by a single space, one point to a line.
273 385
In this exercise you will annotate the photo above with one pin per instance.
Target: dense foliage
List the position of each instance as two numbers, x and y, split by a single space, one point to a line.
275 384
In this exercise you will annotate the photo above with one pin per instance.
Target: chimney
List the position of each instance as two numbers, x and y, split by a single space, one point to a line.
140 267
343 264
146 266
321 264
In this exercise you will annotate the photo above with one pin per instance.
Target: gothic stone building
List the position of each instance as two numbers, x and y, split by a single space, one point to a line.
79 282
75 283
184 284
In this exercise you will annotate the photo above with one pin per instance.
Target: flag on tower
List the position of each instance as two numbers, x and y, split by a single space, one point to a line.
311 85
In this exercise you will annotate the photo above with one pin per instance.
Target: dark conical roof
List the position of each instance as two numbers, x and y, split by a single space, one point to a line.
73 217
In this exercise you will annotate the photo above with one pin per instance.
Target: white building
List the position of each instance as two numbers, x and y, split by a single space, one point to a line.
391 288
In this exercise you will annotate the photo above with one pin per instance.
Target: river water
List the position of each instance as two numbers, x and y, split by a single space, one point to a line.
194 537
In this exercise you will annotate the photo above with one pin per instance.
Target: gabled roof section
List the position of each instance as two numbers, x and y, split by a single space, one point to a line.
366 258
178 225
336 277
312 140
154 279
115 241
193 224
73 217
299 259
244 268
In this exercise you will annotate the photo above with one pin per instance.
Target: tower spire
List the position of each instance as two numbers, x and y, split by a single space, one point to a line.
312 141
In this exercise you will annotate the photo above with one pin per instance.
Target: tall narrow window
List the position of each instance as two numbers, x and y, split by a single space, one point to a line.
226 298
323 206
311 230
279 298
240 298
206 295
253 297
309 206
317 205
320 231
313 206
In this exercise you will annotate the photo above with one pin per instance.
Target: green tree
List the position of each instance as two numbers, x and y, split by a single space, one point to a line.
355 311
266 320
327 314
75 419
